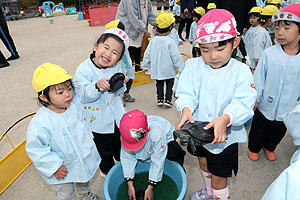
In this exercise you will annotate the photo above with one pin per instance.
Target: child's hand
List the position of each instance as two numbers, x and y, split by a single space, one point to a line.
131 190
147 34
103 84
174 95
61 172
149 193
180 43
220 125
126 79
186 115
255 106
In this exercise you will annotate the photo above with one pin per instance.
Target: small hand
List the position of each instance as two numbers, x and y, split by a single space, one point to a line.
126 79
147 34
255 106
103 84
149 193
131 190
186 115
186 10
61 173
220 125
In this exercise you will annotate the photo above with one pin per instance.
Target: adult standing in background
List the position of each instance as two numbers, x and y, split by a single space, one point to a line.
6 38
135 15
186 17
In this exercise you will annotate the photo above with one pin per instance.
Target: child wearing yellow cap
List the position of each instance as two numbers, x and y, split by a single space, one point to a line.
60 146
176 11
257 39
163 58
198 13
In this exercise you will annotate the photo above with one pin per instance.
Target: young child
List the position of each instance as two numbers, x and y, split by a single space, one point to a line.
288 181
176 11
163 58
271 29
277 82
58 143
126 61
147 139
218 89
257 38
101 109
198 13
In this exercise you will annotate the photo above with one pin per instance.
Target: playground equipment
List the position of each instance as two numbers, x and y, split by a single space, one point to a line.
50 9
115 178
15 162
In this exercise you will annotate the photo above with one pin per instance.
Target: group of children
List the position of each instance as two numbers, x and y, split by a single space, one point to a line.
70 137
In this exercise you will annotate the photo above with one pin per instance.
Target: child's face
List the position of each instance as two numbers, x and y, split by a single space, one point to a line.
196 19
108 53
286 33
60 97
270 23
216 56
253 20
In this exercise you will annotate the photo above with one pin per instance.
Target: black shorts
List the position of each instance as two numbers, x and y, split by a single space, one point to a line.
221 164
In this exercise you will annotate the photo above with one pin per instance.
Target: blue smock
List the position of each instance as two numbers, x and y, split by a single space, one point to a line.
154 150
162 57
192 35
174 35
176 9
126 64
209 93
277 81
54 140
100 110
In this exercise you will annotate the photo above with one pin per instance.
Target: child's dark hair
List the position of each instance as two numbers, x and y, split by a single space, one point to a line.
105 36
121 26
254 14
164 30
45 92
197 15
263 19
223 43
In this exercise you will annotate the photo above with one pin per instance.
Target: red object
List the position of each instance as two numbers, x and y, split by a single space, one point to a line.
102 14
85 11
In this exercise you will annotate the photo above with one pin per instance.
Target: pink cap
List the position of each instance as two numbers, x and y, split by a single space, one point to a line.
134 129
216 25
290 13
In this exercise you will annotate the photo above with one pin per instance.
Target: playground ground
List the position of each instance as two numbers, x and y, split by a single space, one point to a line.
67 42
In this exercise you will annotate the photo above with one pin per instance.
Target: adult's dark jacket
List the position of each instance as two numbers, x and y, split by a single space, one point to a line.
189 4
239 9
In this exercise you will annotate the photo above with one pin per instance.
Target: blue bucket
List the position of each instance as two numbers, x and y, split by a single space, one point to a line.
115 178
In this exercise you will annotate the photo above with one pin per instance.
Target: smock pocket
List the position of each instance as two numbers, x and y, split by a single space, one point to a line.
268 101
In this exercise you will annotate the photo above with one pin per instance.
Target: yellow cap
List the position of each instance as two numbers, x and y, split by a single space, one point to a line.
112 24
268 1
200 11
177 1
255 10
163 11
164 20
197 45
48 74
275 2
211 6
269 10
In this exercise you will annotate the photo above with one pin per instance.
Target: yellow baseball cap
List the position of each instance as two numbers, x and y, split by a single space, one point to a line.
269 10
268 1
165 20
177 1
255 10
211 6
200 11
48 74
112 24
275 2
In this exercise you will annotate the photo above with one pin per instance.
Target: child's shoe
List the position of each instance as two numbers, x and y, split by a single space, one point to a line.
270 155
168 104
90 196
253 156
128 98
160 102
201 195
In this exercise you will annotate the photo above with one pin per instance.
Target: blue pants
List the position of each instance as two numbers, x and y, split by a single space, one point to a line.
7 39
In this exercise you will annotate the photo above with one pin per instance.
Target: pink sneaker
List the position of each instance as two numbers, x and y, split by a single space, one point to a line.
201 195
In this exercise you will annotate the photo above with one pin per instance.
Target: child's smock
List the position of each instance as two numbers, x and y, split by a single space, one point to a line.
126 63
176 9
256 40
192 35
99 109
54 140
162 56
210 93
174 35
277 82
154 150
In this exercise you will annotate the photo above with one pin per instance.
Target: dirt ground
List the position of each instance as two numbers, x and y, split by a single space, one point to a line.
68 42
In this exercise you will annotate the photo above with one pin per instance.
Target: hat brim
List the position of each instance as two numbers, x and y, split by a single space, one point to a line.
136 146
